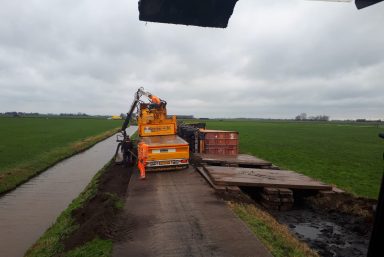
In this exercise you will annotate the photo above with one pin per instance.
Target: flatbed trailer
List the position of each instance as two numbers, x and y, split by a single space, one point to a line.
169 152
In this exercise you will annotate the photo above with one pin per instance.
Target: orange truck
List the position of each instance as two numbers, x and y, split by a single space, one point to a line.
166 150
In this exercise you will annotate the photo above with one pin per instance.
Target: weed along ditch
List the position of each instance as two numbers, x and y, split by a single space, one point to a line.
27 211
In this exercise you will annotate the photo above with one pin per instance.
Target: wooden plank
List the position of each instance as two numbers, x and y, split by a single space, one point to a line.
260 173
269 183
284 192
253 172
270 191
267 177
213 185
262 178
209 180
240 159
283 200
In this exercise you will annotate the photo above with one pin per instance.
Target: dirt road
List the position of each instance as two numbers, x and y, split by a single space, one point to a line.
177 214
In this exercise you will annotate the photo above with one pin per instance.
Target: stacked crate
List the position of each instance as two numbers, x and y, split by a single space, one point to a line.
219 142
277 198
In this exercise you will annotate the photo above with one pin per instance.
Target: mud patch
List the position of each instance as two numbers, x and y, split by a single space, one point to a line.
330 234
97 216
336 224
332 224
343 203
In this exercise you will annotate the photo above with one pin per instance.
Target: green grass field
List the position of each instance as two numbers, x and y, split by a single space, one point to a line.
28 145
346 155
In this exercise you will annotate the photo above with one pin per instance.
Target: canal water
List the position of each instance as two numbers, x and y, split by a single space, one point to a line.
27 211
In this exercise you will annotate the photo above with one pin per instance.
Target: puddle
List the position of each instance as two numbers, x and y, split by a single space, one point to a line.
330 234
26 212
306 230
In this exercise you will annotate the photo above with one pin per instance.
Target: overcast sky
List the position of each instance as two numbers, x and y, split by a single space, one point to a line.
277 58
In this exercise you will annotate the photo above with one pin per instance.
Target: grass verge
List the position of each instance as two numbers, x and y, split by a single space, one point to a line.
276 237
97 248
51 243
12 177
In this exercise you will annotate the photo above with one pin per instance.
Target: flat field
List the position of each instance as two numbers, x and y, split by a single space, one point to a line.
346 155
32 144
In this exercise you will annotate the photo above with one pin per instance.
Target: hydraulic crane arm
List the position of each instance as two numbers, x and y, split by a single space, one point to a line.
125 152
140 92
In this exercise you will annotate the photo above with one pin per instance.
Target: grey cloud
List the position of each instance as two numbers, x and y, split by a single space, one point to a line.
276 59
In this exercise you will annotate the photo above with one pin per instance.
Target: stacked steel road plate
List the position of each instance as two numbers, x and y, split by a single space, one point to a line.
230 172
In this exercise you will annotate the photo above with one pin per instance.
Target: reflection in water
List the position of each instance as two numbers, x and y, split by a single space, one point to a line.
25 213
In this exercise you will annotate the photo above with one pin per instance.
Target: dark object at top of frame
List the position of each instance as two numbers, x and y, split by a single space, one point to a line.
204 13
360 4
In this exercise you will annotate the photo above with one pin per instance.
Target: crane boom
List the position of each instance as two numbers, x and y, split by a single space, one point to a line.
139 93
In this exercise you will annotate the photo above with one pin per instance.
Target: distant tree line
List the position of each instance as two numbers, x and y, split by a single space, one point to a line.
36 114
303 116
74 114
19 114
365 120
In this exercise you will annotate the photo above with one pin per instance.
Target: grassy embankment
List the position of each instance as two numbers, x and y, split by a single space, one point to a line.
51 243
348 156
28 146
